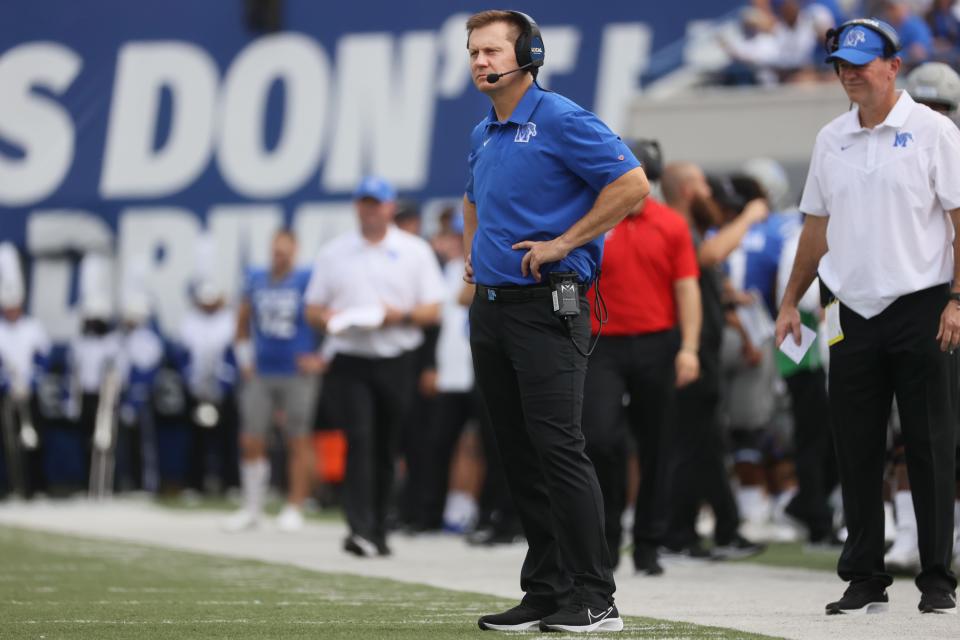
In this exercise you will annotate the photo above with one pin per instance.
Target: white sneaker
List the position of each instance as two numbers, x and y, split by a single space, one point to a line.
242 520
904 555
890 533
290 519
956 550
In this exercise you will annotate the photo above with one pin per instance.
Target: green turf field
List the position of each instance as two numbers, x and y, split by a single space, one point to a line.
54 586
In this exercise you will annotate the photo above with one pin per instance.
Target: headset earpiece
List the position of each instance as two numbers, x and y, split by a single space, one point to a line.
529 46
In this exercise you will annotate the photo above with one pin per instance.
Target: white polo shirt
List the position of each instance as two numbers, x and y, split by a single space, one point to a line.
886 191
350 273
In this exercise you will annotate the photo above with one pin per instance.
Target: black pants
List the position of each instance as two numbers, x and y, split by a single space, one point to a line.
367 397
698 471
815 460
531 379
452 411
894 354
642 367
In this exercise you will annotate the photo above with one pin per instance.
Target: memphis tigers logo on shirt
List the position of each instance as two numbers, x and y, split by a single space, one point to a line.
525 131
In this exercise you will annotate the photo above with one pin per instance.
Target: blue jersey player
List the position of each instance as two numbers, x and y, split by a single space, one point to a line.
276 353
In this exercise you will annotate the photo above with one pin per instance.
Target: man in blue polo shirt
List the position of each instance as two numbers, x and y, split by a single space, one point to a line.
547 179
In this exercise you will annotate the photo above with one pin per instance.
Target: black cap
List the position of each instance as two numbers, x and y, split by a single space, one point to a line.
650 156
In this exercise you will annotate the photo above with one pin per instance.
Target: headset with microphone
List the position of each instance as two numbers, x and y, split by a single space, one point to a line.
528 48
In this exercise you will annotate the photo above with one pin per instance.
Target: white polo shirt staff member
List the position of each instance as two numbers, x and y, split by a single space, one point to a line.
372 291
883 203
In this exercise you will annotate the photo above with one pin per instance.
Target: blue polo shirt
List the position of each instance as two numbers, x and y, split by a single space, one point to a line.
532 177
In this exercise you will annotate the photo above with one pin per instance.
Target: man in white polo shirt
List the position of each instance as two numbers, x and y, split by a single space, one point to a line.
883 202
372 291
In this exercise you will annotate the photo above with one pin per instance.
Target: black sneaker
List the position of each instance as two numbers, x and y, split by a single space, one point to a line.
695 551
580 618
860 598
491 536
938 602
737 549
360 546
521 618
646 560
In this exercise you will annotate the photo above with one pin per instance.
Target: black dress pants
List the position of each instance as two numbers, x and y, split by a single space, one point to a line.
894 354
531 378
816 465
452 411
366 397
698 470
641 366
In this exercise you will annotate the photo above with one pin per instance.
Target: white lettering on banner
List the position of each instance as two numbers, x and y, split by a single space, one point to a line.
303 69
624 55
56 231
241 234
564 46
172 232
131 166
453 77
315 223
51 233
42 129
385 102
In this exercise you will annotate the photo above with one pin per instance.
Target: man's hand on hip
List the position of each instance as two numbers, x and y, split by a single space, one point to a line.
540 253
468 270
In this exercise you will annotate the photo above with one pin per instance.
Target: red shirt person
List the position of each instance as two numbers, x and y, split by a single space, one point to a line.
649 284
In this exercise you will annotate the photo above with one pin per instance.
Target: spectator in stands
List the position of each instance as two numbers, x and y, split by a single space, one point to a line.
916 38
778 43
943 18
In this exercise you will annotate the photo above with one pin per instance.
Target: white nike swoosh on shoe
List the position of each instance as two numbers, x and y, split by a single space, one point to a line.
600 616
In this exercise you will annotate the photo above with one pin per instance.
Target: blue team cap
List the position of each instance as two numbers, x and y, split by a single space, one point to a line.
860 45
377 188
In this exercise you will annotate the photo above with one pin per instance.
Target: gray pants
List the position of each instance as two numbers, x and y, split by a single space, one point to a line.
295 395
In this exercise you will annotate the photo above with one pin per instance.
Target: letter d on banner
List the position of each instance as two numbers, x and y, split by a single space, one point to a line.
132 167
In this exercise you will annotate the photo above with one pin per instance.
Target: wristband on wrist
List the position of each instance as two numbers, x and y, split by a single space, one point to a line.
243 352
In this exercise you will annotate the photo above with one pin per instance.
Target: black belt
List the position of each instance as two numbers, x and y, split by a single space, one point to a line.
514 294
519 293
